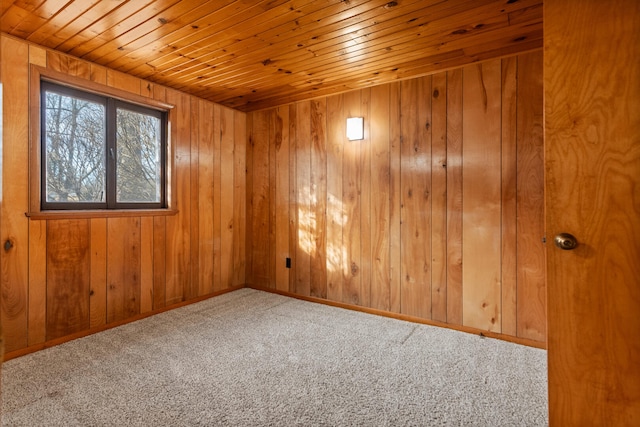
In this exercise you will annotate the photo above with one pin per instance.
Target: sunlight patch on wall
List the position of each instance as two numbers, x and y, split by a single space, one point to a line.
336 252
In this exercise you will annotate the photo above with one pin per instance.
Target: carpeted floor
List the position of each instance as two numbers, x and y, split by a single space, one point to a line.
251 358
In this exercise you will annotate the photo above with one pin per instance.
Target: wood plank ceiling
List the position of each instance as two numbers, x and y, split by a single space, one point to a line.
251 55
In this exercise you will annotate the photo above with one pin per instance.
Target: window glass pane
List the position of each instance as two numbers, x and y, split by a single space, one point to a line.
138 169
75 149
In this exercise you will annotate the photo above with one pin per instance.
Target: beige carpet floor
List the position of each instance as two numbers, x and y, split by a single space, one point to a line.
251 358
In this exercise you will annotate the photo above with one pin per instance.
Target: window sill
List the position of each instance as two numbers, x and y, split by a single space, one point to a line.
99 213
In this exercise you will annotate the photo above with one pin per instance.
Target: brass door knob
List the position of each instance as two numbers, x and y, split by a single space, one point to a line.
565 241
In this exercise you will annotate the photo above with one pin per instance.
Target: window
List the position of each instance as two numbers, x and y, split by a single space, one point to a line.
99 152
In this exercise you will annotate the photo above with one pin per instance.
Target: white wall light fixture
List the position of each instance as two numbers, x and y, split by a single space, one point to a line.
355 128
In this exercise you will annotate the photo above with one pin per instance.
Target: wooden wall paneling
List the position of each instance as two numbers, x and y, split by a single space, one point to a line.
159 92
160 223
481 181
123 81
159 262
193 286
305 242
98 278
333 188
79 68
260 199
146 89
395 198
249 241
439 197
293 195
67 64
336 256
379 140
14 226
365 200
375 179
416 197
272 137
318 198
57 61
165 247
227 131
146 264
206 199
217 199
509 200
178 226
68 277
454 196
99 75
351 181
280 135
239 197
530 209
37 319
123 268
37 55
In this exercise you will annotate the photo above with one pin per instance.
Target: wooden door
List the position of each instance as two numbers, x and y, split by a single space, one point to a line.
1 135
592 148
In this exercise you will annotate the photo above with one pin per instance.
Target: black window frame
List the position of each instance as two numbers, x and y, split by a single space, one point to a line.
111 104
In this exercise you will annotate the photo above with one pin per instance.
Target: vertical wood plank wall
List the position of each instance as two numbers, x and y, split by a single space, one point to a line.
65 276
437 213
